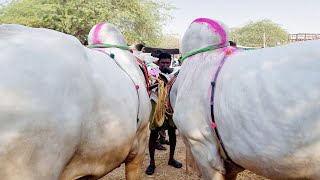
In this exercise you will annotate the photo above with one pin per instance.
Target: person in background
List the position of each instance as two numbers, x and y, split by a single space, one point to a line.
139 47
233 44
164 63
137 50
156 53
162 134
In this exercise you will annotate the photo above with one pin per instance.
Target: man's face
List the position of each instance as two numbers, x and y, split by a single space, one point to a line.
164 65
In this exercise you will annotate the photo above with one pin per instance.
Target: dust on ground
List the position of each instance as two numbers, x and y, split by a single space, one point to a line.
165 172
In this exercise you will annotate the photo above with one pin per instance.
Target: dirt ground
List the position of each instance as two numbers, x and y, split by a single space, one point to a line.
166 172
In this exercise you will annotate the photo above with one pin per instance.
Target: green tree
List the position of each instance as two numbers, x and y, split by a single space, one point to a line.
170 41
260 33
138 20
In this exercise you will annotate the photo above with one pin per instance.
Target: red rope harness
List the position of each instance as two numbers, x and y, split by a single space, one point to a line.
168 88
144 69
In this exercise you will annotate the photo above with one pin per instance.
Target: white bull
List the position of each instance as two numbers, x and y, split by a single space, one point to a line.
66 111
266 106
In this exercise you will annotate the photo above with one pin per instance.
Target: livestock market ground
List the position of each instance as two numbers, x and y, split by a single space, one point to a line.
166 172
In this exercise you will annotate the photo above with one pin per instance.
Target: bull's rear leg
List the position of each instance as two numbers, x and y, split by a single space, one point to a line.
133 168
135 159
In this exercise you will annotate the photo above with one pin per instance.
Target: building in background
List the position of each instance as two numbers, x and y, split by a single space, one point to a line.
303 37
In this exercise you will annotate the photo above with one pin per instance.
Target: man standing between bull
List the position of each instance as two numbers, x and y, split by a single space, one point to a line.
164 63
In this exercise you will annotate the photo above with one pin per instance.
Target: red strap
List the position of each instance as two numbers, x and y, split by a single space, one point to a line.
168 88
144 68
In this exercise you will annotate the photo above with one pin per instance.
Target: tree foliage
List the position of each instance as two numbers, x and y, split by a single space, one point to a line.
139 20
254 33
170 41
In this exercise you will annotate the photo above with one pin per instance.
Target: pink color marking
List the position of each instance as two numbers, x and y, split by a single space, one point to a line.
215 27
154 72
229 50
213 125
137 87
96 33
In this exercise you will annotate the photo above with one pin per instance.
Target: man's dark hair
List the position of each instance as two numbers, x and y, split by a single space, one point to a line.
233 44
139 47
156 53
164 56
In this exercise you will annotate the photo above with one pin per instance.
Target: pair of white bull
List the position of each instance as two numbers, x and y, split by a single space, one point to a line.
68 112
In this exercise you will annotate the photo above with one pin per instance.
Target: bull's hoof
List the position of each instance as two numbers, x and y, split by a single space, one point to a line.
150 169
175 163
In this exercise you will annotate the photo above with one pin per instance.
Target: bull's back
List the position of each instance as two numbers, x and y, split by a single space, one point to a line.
45 92
267 105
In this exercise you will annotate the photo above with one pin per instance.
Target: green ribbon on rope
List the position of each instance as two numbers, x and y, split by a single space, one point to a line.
108 46
205 49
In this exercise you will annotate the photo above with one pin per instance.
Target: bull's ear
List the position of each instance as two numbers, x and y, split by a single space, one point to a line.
163 77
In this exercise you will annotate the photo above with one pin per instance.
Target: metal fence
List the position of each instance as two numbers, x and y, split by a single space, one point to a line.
303 37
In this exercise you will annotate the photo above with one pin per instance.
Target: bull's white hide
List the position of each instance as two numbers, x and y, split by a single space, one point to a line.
266 108
67 111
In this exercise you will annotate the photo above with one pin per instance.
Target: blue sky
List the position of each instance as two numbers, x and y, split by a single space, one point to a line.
293 15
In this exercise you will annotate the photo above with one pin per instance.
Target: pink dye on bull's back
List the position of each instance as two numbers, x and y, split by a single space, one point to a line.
215 27
96 33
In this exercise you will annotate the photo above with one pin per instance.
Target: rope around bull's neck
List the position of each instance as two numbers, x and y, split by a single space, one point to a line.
205 49
108 46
